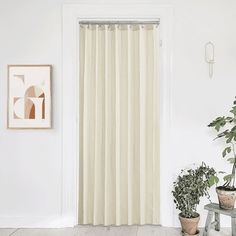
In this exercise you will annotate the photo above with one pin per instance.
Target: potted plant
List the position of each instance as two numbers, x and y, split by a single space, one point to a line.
190 186
226 129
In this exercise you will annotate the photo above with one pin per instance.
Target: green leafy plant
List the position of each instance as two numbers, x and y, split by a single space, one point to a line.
190 186
228 124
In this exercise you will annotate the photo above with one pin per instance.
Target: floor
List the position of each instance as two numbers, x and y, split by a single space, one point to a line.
104 231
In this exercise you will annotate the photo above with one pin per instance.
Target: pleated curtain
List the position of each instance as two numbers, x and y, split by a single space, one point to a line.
119 124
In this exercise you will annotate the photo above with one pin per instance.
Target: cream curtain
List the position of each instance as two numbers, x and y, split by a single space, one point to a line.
119 124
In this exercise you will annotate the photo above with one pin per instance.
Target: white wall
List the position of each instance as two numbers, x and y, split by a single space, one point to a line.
196 99
31 161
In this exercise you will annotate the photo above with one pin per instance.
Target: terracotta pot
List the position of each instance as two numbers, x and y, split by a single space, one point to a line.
189 225
186 234
226 198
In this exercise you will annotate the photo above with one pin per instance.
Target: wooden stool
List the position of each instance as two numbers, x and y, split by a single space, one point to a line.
214 208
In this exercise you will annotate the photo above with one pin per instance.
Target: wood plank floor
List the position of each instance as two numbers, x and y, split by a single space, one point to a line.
104 231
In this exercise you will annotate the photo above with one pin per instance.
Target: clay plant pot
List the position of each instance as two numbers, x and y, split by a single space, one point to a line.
189 225
226 197
186 234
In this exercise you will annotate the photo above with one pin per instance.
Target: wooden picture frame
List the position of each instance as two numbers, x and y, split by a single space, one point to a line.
29 97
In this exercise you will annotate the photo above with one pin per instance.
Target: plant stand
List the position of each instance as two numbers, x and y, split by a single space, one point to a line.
214 209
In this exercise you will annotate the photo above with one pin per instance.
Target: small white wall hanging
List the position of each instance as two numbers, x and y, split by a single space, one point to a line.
210 56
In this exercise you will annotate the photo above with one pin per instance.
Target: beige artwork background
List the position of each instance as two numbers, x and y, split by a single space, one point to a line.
29 94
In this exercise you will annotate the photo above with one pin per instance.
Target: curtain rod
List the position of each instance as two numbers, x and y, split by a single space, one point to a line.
117 22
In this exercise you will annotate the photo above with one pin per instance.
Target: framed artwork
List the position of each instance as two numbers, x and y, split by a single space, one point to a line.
29 96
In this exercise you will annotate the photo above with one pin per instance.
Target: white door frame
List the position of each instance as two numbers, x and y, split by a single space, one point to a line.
72 14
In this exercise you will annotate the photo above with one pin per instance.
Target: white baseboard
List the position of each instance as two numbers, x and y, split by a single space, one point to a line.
37 221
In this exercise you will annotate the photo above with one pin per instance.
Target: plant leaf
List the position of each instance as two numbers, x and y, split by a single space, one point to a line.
228 177
231 160
226 151
233 110
213 180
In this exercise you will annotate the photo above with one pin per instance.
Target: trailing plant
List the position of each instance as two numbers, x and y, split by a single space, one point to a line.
228 125
190 186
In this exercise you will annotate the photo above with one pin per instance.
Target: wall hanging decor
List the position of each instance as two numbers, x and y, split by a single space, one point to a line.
210 56
29 96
